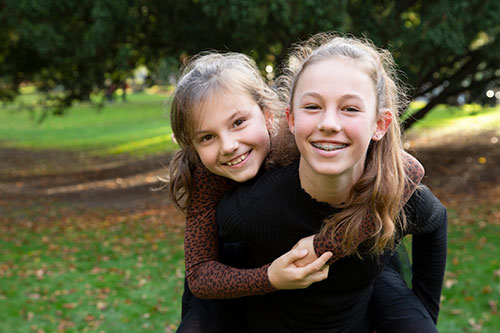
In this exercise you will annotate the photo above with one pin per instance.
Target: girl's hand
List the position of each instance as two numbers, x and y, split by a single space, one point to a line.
308 244
283 273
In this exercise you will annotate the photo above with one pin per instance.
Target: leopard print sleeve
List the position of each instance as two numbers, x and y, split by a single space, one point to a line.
207 277
415 172
328 242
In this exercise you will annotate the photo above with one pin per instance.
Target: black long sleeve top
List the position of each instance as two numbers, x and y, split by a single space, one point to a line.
270 214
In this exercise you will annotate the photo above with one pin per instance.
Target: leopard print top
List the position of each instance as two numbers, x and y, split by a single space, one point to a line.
208 278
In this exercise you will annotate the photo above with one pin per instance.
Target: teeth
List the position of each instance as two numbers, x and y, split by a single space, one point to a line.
238 160
328 147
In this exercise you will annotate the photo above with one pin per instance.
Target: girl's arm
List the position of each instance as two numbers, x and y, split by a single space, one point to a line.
320 243
207 277
428 223
204 273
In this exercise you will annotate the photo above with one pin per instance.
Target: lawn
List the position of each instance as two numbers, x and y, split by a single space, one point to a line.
468 118
471 290
79 271
139 126
70 270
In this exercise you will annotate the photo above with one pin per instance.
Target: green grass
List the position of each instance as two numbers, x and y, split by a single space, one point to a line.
138 126
466 118
68 272
471 293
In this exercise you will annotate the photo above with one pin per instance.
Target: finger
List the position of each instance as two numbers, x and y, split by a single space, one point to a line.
293 255
314 277
317 276
318 264
326 256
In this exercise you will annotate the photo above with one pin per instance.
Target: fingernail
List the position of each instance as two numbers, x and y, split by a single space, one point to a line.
303 251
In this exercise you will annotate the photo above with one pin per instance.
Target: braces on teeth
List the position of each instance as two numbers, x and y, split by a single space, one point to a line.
328 147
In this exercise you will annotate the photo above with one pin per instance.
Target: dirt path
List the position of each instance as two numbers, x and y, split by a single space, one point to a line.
115 182
458 169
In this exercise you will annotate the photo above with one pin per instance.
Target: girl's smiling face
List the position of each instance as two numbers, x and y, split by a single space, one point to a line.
334 118
231 136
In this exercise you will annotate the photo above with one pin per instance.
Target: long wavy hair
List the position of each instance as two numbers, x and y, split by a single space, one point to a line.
379 191
206 75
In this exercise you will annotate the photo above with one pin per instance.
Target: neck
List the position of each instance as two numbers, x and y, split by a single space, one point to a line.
332 189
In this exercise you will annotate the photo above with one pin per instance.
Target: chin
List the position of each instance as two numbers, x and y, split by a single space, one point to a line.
331 173
328 170
244 177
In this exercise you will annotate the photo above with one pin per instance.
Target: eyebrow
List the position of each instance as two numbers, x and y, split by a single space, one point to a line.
310 93
342 98
356 96
239 113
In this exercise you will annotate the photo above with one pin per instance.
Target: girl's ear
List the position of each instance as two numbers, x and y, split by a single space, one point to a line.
291 120
382 125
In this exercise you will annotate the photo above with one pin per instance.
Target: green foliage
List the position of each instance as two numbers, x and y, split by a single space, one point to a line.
65 44
446 48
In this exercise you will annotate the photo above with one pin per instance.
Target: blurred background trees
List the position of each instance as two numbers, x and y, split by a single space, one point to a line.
448 51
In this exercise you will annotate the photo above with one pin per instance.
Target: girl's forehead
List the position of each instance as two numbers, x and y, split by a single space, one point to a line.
223 101
222 98
324 72
328 63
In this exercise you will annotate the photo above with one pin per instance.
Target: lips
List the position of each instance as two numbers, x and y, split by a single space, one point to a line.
238 159
328 146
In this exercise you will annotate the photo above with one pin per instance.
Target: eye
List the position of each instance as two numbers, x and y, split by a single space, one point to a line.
351 109
206 138
238 122
311 107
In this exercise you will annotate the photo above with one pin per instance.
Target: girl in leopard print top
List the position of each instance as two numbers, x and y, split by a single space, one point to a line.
223 116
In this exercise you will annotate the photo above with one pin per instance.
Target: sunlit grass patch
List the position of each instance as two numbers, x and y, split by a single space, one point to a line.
145 145
468 118
86 128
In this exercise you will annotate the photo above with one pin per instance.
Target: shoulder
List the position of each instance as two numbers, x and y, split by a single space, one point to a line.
206 182
424 212
205 178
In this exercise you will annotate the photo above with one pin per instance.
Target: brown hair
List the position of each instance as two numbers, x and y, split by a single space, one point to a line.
204 76
379 191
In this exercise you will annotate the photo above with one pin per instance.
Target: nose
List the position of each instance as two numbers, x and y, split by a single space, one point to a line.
330 121
229 144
